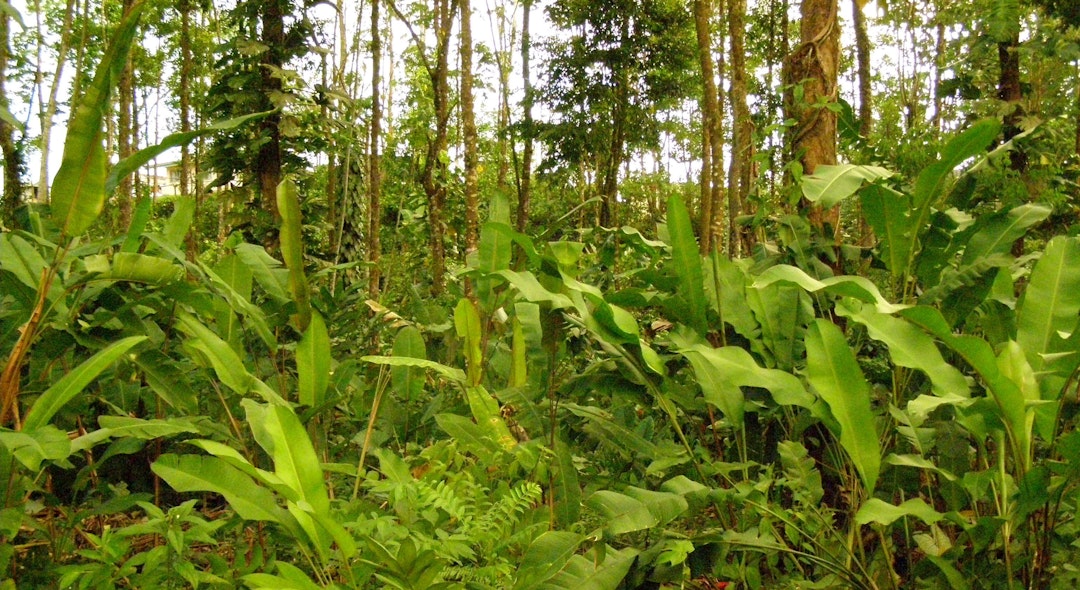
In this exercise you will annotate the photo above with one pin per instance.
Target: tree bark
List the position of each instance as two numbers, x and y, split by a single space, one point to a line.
468 132
739 177
525 185
814 64
48 110
1078 108
712 135
13 157
374 249
269 158
125 136
862 57
432 176
1010 92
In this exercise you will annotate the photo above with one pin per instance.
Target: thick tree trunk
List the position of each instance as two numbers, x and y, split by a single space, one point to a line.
374 244
739 177
268 161
468 132
814 64
712 135
1010 92
13 157
525 185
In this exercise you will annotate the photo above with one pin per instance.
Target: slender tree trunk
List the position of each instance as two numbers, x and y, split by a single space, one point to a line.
1011 93
609 183
711 129
374 249
49 106
186 63
1078 108
13 157
862 57
432 177
814 63
125 134
939 67
268 159
525 185
739 177
468 132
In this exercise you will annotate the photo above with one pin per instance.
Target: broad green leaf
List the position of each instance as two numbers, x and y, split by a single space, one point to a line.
618 437
70 385
292 250
567 489
132 163
167 381
722 372
726 289
889 214
223 359
1049 311
519 348
857 287
622 514
909 347
78 189
485 410
546 555
141 268
995 234
834 373
31 447
881 512
781 310
665 506
495 249
197 473
531 289
139 218
467 325
1008 399
313 363
687 263
930 184
128 427
21 259
180 221
829 185
408 381
470 435
266 269
280 433
451 373
605 571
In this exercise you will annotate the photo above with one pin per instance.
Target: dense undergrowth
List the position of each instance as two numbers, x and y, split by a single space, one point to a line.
610 411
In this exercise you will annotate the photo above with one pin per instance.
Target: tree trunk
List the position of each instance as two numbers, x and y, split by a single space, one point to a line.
268 160
939 67
739 177
815 63
712 134
862 57
1078 108
48 110
468 131
374 249
432 176
13 157
1010 92
525 185
125 135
